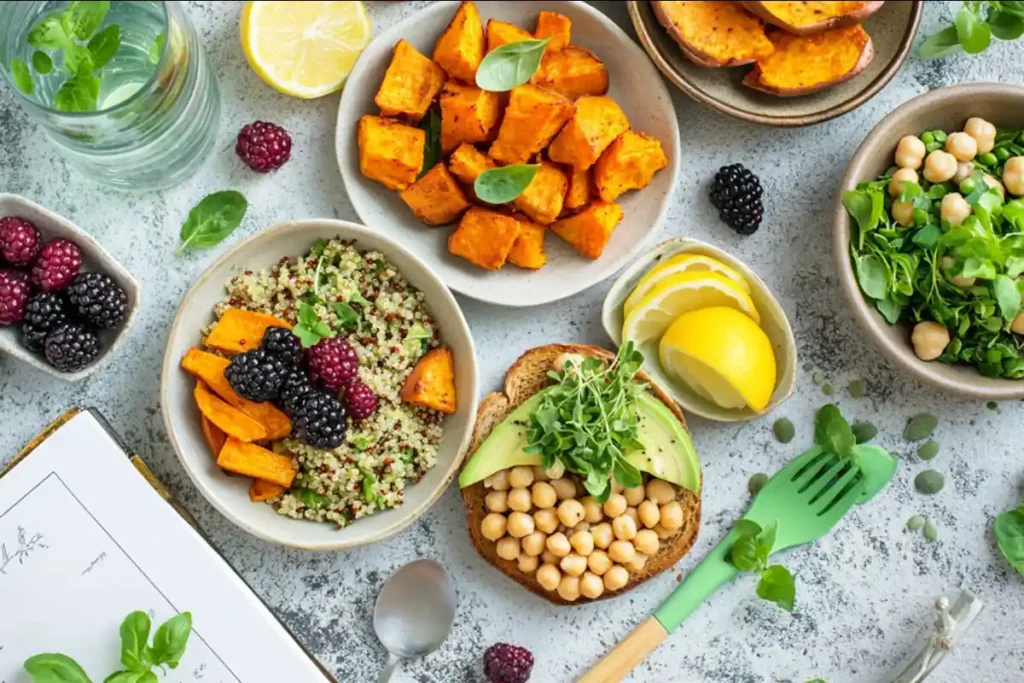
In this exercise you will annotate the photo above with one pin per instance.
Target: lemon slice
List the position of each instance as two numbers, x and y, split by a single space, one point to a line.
722 355
678 294
681 263
304 49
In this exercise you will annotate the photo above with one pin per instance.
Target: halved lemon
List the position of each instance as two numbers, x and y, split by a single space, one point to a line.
721 354
304 49
681 263
678 294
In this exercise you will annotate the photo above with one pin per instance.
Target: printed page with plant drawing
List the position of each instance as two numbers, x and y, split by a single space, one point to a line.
85 540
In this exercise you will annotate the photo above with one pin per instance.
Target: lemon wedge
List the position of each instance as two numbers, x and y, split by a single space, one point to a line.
681 263
722 355
678 294
304 49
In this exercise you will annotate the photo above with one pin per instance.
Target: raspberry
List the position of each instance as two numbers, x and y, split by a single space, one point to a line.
99 300
360 401
333 363
263 146
14 291
504 663
71 347
20 242
44 312
58 262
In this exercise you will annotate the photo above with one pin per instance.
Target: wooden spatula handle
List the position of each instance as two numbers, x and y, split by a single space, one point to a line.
634 649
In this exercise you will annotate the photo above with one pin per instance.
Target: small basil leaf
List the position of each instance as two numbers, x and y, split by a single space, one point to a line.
973 33
872 276
170 640
502 185
765 541
745 527
1005 25
306 336
81 19
1009 530
777 585
943 44
832 432
41 62
866 207
212 220
126 677
510 65
55 668
1007 297
134 636
431 125
104 45
22 76
744 554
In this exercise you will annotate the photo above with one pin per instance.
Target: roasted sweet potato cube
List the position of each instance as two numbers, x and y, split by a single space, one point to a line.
528 249
460 49
574 72
501 33
595 125
410 84
629 163
589 230
390 152
556 26
432 382
254 461
239 330
468 114
436 198
227 418
467 162
261 490
484 237
579 190
543 198
533 117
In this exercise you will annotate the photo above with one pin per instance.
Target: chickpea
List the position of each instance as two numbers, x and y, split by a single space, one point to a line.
549 577
663 533
520 524
603 535
493 526
508 548
930 339
573 564
637 563
964 170
528 564
900 178
939 167
632 514
615 578
635 495
539 473
533 544
497 481
582 542
582 526
496 501
564 488
624 528
548 557
910 152
573 359
615 506
1013 176
592 511
994 182
672 516
649 514
558 544
599 562
591 586
954 208
570 512
1017 326
660 491
983 132
962 146
903 212
556 471
545 520
569 588
646 542
620 551
543 495
519 500
520 477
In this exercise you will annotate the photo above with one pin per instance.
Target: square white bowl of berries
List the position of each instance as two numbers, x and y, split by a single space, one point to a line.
65 303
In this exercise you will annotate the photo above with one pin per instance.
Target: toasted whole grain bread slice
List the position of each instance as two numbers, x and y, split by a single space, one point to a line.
527 376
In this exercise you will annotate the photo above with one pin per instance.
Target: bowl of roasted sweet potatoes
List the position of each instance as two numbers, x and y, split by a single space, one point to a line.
524 150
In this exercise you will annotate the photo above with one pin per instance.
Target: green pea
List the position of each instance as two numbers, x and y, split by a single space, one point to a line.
818 377
784 430
1002 154
920 427
992 405
828 389
988 159
967 186
928 450
915 522
757 482
932 146
927 137
940 135
864 431
929 482
931 532
856 388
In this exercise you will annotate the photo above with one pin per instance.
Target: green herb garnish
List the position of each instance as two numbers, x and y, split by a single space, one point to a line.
22 77
833 433
417 340
370 490
41 62
974 27
310 329
750 554
1009 530
348 318
309 498
212 219
157 48
431 125
510 65
503 184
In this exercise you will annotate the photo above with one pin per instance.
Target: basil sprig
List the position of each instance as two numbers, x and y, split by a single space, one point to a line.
972 32
1009 530
212 220
431 125
750 554
503 184
510 65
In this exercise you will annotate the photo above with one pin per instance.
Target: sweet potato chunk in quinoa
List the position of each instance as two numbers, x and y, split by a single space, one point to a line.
436 198
410 84
390 152
254 461
596 123
261 490
227 418
543 198
501 33
533 117
528 249
468 114
239 330
460 49
484 237
432 382
629 163
589 230
556 26
574 72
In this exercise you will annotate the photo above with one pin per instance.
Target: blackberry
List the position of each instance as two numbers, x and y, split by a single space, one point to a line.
295 389
504 663
98 299
44 312
319 421
256 375
333 363
282 343
71 347
360 401
736 193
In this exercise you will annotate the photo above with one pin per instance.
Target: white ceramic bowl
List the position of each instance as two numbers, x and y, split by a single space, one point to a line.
230 494
773 321
634 83
94 259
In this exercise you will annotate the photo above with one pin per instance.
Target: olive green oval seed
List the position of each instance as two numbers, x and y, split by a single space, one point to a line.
929 482
931 532
920 427
828 389
757 482
928 450
915 522
808 367
784 430
818 377
864 431
856 388
992 405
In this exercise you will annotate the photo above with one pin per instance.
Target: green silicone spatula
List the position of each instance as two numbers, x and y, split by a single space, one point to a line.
805 499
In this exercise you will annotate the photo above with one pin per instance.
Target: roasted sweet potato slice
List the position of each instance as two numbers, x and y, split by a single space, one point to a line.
501 33
467 162
528 249
714 33
228 419
436 198
805 64
804 18
573 71
432 382
390 152
253 461
543 198
533 117
589 230
210 369
214 435
460 49
579 192
410 84
629 163
468 114
596 123
556 26
484 237
261 490
239 330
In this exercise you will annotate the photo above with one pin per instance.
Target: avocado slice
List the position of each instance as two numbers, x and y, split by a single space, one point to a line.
668 451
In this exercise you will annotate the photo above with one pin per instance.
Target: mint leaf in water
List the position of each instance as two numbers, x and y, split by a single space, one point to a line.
41 62
157 48
134 636
78 60
48 34
77 94
510 65
22 76
55 668
82 19
104 46
502 185
212 220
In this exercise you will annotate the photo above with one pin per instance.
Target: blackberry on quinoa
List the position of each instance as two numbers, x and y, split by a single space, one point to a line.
736 193
71 347
295 389
256 375
319 421
98 299
282 343
44 312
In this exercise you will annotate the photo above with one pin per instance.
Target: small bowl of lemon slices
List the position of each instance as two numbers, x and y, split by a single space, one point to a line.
713 335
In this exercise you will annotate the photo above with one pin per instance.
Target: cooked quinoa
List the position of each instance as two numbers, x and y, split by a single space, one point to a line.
394 447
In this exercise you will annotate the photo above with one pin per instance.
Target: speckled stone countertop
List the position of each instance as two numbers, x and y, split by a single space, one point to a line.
864 594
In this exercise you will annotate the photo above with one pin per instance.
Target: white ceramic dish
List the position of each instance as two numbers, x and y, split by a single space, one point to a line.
94 259
230 494
773 321
634 83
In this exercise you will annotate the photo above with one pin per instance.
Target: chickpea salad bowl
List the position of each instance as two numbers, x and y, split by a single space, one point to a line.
929 238
321 398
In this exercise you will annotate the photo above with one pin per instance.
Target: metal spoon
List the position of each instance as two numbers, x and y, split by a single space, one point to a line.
414 612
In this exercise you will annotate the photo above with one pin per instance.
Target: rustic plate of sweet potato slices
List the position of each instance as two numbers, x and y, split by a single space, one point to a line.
778 63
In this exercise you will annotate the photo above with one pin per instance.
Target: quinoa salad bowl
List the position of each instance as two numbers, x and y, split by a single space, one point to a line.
319 385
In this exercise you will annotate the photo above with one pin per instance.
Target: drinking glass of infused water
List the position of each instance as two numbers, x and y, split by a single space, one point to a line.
122 88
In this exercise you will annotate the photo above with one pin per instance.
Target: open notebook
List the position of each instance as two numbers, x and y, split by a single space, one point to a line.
87 536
